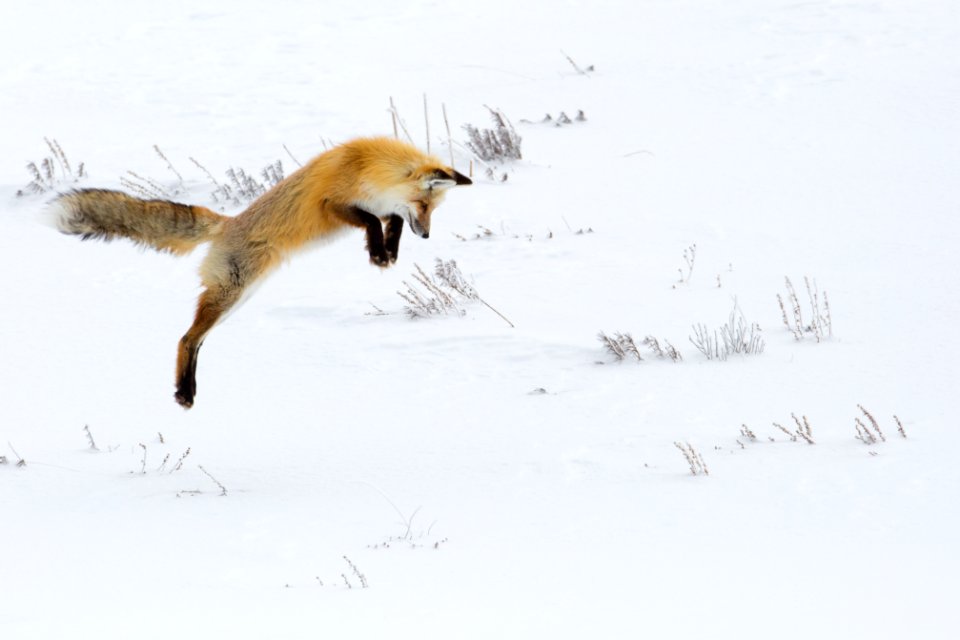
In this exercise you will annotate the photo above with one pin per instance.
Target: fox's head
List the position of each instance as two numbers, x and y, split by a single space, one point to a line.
426 188
394 179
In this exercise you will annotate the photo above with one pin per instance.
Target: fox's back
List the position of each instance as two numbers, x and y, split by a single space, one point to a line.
372 173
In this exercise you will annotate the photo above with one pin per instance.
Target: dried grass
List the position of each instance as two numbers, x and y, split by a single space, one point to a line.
622 346
443 293
53 171
693 458
736 336
499 144
820 325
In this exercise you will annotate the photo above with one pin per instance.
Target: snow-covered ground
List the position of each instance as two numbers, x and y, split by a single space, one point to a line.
489 481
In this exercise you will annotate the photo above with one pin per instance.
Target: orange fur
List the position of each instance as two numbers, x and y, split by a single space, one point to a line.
360 183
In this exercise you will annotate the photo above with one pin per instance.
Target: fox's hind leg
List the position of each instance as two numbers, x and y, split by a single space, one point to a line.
214 302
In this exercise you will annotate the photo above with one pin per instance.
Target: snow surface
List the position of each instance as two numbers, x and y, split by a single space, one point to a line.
782 138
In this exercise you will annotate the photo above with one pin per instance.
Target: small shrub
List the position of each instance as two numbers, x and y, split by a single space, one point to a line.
441 294
622 345
873 433
820 325
500 144
735 336
693 457
52 171
242 188
429 298
561 120
689 258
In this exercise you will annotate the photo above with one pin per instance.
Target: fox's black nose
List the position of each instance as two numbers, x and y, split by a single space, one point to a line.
425 235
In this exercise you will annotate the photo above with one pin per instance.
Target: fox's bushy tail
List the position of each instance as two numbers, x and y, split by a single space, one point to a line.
159 224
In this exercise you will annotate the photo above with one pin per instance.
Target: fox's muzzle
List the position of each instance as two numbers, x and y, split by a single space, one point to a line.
418 229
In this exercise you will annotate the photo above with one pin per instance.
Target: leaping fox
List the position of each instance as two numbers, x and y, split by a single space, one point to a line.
372 183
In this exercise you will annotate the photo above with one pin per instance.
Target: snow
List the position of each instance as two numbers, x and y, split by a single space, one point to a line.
782 139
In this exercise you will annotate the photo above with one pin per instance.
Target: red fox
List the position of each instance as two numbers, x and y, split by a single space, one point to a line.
372 183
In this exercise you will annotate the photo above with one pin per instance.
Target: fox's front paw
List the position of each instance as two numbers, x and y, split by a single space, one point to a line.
381 260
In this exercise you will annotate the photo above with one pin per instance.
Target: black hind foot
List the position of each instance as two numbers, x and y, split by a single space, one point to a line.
186 390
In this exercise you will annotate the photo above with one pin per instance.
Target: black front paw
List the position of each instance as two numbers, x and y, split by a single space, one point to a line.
391 241
381 259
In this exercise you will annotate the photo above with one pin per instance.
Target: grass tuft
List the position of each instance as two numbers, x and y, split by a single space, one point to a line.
500 144
733 337
443 293
52 172
694 459
820 325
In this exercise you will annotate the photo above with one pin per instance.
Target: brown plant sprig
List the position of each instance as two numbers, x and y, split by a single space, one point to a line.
93 445
803 428
863 433
873 422
900 428
693 457
223 489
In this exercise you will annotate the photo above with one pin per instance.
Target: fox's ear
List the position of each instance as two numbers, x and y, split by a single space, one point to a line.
460 178
439 184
